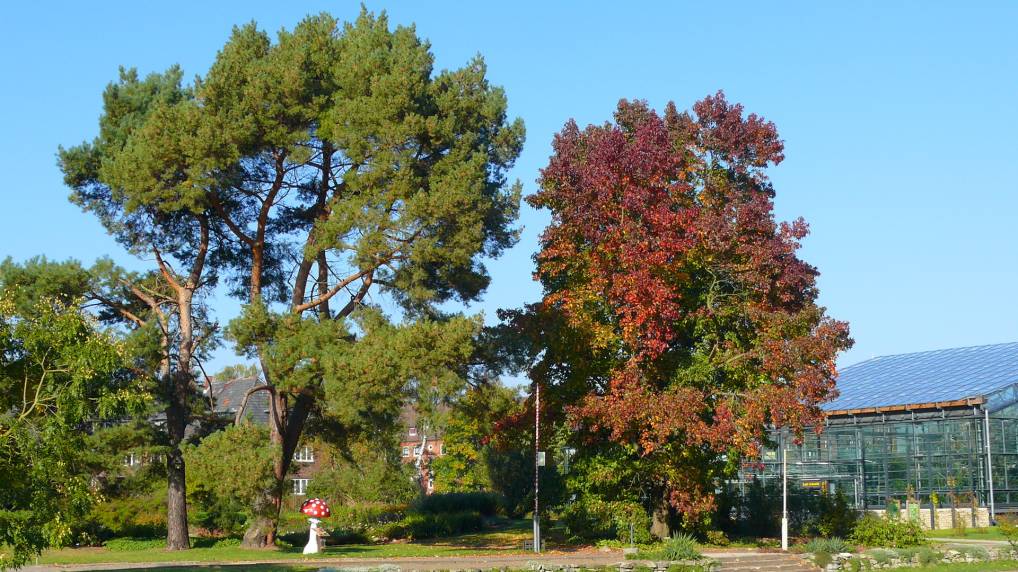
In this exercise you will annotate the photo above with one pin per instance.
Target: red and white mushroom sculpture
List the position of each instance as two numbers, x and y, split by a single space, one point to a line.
314 509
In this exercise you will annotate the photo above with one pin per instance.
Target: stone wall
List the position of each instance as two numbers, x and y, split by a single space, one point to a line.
944 518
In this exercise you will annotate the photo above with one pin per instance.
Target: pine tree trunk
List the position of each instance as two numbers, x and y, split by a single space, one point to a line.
262 532
176 494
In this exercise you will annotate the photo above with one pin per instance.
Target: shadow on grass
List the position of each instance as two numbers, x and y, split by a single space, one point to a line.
231 568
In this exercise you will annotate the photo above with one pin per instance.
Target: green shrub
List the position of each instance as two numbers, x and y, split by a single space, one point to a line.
881 556
977 552
680 547
132 517
830 545
960 528
128 544
928 556
216 514
717 538
829 516
1008 526
487 504
875 531
591 518
906 553
822 559
419 526
854 565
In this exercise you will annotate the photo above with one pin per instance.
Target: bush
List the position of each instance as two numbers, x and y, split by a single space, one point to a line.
681 547
829 545
822 559
591 518
960 528
487 504
717 538
128 544
132 517
1008 526
831 516
927 555
875 531
881 556
977 552
420 526
678 547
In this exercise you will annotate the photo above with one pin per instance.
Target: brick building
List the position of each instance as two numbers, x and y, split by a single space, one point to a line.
419 444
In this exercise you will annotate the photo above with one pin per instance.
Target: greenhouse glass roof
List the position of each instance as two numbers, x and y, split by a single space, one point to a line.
926 377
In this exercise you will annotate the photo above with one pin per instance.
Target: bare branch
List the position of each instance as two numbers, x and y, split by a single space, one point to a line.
356 299
166 270
243 404
332 292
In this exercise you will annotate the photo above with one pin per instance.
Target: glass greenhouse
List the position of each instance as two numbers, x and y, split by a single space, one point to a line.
922 427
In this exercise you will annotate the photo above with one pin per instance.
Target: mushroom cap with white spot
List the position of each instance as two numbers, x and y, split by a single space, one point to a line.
316 508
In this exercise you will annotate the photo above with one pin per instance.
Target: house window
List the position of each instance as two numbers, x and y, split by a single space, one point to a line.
304 455
441 449
300 487
406 451
417 450
413 431
430 447
130 460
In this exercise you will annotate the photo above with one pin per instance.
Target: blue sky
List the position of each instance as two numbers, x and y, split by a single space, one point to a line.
899 118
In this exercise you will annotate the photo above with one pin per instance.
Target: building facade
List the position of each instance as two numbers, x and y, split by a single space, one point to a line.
927 431
420 444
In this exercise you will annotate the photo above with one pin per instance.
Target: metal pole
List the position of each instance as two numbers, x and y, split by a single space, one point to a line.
537 447
784 495
989 464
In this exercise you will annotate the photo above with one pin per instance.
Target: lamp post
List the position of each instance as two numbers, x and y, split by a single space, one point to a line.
784 495
537 464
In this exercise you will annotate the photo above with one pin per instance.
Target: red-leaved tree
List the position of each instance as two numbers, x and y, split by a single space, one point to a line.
677 318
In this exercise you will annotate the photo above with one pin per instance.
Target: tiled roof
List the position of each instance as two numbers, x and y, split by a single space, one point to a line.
230 394
410 417
926 377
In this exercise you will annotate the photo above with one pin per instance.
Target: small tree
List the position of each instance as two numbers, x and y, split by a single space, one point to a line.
58 371
221 496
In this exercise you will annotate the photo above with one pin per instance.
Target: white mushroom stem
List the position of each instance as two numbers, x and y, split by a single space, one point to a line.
312 545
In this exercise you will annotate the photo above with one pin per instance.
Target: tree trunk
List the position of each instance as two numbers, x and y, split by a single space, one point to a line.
176 494
660 525
286 434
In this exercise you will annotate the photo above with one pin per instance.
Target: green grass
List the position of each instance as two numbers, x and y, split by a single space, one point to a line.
991 533
998 566
234 568
236 554
505 539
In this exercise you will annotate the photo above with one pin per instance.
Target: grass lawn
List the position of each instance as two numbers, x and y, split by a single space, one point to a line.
999 566
991 533
505 539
